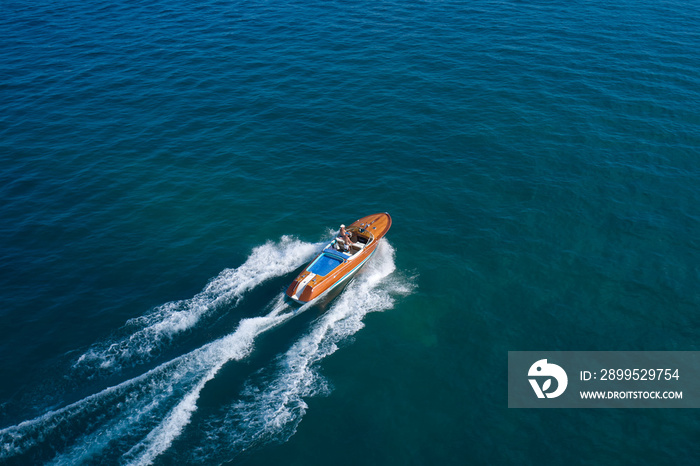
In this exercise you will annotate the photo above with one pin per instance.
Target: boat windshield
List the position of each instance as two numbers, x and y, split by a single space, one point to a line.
324 264
361 235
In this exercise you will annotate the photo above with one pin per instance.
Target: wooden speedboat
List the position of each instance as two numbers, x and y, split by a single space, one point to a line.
333 268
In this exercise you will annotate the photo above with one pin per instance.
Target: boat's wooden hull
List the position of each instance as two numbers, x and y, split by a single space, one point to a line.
309 286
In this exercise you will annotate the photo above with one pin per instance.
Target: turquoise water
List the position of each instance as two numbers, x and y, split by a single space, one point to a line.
167 168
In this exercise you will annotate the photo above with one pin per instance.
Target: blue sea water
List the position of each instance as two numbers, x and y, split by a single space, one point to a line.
166 168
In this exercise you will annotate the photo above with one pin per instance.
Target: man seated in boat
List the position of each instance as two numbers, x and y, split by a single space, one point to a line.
344 239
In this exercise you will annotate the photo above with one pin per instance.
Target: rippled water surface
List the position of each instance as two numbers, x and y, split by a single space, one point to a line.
166 168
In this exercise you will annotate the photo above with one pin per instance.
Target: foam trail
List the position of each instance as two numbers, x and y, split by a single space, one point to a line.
156 405
272 413
160 438
146 335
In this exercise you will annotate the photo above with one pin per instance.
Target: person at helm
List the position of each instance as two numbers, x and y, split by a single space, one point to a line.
344 240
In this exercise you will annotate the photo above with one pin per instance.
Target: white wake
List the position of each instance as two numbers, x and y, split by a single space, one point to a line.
146 334
155 405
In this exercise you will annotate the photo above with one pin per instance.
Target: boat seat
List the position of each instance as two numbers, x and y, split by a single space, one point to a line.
357 246
339 245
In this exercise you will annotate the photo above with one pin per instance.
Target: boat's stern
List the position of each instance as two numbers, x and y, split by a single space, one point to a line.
301 289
